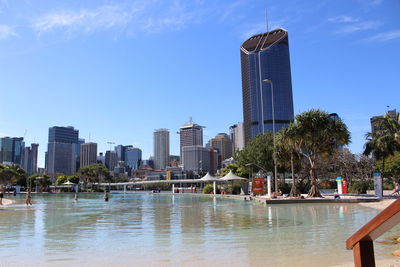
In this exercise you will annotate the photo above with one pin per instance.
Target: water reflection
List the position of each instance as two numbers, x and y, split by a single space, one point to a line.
166 229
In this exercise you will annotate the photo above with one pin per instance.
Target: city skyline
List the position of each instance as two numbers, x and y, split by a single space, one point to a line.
102 60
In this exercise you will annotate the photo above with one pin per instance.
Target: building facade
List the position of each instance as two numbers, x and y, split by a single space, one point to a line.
222 142
266 57
200 159
62 154
111 160
236 133
29 159
161 148
88 154
375 119
133 158
191 134
11 150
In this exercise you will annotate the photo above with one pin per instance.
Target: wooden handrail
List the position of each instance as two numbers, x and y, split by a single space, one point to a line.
362 241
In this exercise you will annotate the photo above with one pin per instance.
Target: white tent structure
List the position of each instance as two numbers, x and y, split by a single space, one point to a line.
68 183
209 178
232 177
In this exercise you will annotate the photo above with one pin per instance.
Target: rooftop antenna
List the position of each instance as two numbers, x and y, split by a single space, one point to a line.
190 119
266 18
89 137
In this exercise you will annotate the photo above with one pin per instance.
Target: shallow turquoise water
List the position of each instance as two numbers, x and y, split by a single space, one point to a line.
164 229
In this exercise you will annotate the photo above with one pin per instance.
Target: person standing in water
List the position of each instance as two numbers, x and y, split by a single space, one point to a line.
76 197
106 196
28 197
1 194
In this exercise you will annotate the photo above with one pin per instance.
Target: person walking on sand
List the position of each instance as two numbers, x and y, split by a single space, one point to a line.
1 194
396 188
28 197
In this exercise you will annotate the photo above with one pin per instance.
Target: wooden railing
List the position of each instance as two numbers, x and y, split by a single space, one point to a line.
362 241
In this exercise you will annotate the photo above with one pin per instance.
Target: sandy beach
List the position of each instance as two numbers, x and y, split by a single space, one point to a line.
381 205
7 202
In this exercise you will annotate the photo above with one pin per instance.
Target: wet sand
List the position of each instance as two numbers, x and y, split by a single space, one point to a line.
381 205
7 202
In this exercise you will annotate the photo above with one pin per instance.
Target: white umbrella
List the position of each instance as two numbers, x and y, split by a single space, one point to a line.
68 183
209 177
232 177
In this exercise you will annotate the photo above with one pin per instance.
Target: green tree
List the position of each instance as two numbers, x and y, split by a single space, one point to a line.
259 150
384 141
392 166
61 179
316 133
286 149
94 173
73 179
236 169
11 174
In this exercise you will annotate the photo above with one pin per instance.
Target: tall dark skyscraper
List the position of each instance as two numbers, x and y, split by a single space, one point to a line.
266 56
11 150
62 150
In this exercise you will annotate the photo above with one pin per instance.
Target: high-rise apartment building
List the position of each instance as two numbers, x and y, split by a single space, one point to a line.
111 160
266 83
11 150
29 159
62 150
223 144
88 154
236 133
133 158
191 134
161 148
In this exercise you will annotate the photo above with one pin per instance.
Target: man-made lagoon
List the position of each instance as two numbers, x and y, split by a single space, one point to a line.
166 230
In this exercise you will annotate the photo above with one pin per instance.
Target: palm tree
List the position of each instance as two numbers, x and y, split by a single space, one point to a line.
10 174
384 141
286 147
316 134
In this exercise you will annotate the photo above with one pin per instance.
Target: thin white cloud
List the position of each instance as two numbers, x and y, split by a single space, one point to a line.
385 36
343 19
6 32
104 17
145 16
361 26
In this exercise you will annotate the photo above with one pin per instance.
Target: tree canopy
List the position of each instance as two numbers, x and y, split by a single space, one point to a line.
316 133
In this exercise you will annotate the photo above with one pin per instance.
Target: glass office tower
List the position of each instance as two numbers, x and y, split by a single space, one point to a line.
266 56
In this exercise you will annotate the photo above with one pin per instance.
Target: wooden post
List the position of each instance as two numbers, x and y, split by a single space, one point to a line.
363 253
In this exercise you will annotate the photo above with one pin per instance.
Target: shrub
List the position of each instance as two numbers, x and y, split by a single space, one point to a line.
361 187
208 189
285 188
388 186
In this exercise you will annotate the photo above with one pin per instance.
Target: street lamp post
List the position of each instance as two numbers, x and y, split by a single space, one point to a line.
273 132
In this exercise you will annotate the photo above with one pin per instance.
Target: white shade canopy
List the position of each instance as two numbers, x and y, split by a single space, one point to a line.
68 183
232 177
209 177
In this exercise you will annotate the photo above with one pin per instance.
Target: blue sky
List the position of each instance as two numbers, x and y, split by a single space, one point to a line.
117 70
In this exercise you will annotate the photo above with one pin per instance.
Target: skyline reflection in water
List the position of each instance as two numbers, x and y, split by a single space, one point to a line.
164 229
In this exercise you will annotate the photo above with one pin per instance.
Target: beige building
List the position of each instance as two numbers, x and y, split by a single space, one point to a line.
223 143
88 154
